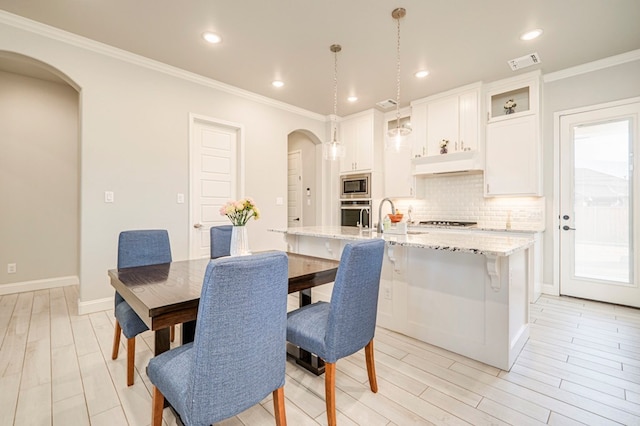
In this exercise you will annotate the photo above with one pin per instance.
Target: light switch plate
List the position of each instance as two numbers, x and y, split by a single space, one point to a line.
279 201
180 198
108 196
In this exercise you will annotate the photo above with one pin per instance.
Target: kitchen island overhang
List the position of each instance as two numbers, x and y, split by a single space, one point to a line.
464 292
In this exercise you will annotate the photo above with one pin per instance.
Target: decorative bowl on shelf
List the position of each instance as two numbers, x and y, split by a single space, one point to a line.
395 218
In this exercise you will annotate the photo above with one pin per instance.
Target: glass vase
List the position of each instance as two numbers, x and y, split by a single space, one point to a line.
239 241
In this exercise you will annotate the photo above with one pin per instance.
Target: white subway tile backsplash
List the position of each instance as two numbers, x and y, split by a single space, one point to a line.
462 198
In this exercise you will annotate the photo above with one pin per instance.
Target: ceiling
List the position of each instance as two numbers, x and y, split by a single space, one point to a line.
458 41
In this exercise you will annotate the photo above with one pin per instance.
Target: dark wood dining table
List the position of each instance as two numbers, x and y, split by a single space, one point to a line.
168 294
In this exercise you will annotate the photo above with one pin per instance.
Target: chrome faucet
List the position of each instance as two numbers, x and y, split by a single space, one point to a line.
393 211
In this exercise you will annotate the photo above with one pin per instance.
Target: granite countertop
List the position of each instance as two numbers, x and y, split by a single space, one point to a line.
493 244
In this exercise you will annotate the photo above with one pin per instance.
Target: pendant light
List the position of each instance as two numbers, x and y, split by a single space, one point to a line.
334 150
397 135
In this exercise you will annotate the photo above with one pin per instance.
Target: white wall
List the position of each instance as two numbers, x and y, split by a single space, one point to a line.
38 179
134 142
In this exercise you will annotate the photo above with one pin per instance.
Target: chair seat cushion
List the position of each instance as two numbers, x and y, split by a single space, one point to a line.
307 326
130 322
171 373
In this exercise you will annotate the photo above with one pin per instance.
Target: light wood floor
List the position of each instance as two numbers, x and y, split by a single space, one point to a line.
580 366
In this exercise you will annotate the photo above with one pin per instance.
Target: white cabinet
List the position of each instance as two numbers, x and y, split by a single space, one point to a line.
513 150
361 136
512 157
454 119
453 116
399 180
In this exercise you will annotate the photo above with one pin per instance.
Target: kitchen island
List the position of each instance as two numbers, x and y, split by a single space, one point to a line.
466 292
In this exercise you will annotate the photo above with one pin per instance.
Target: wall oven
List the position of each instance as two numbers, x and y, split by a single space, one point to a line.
355 186
355 213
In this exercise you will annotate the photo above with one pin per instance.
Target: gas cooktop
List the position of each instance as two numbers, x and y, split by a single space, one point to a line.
447 223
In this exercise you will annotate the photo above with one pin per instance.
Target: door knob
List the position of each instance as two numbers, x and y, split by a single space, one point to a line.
567 228
297 219
197 225
565 217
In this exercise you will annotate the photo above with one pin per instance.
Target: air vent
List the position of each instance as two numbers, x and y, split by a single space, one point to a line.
389 103
524 61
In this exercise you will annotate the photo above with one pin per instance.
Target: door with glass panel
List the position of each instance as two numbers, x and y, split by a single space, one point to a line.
599 204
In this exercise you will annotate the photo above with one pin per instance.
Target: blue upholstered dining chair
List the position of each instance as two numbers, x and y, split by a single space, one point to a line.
347 324
238 355
136 248
220 240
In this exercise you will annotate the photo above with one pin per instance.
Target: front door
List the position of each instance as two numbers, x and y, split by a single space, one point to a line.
599 223
214 178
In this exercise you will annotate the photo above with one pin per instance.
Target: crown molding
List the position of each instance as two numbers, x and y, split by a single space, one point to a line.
132 58
611 61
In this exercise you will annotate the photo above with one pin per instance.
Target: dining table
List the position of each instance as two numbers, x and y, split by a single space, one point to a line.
168 294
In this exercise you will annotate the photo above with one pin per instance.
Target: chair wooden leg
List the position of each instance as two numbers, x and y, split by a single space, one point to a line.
172 333
131 356
371 367
278 407
330 392
156 407
116 341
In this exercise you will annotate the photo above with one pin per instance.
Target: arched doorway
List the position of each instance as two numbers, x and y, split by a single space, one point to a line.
304 179
40 175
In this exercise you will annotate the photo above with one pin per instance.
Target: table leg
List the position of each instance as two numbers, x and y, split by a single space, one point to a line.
188 331
306 359
162 343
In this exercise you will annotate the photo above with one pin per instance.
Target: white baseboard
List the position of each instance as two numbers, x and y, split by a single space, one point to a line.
97 305
38 285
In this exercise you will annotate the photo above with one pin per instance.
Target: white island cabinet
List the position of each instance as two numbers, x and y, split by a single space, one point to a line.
464 292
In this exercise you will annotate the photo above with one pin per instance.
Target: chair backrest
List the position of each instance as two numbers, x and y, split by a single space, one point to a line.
240 338
354 300
220 240
142 248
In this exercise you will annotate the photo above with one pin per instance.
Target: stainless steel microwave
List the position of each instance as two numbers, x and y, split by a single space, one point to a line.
355 186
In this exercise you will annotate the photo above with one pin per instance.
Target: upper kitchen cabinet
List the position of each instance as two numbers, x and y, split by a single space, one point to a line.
361 135
513 163
399 180
447 131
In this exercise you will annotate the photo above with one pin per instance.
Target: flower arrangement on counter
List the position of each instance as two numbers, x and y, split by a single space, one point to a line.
239 212
444 143
510 107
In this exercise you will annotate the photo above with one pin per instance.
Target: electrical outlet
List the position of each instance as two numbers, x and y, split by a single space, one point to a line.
11 268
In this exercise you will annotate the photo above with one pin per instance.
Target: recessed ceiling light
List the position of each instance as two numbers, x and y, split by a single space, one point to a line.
530 35
352 98
277 83
212 38
422 73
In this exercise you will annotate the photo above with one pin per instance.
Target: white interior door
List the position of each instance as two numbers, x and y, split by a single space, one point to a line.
294 189
214 179
599 204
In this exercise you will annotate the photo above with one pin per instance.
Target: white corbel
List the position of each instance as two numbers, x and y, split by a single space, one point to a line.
493 268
